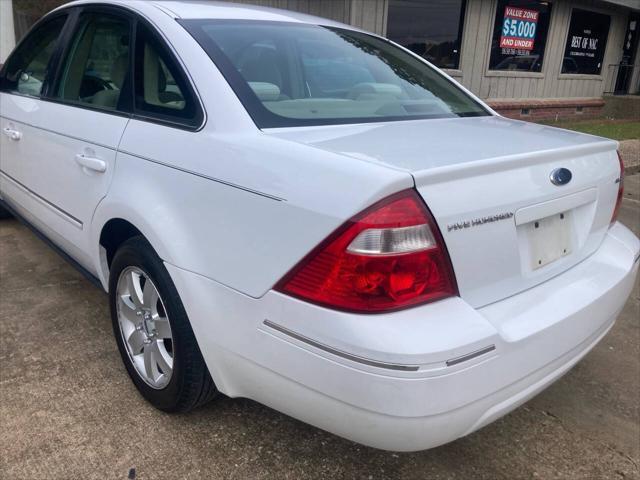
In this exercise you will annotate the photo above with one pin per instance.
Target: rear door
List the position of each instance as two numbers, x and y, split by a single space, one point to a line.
73 135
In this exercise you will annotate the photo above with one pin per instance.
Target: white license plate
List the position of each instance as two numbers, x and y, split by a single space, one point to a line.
550 238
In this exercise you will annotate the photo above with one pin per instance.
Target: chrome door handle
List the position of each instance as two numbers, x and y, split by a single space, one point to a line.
11 133
91 163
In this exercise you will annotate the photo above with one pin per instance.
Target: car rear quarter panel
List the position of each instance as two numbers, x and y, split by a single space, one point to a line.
241 209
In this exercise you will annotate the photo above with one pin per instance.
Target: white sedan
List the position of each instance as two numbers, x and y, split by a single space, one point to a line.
288 209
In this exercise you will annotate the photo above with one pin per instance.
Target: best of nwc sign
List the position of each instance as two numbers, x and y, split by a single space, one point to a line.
519 28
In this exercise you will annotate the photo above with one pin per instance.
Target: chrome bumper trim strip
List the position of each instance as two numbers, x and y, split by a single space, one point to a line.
340 353
469 356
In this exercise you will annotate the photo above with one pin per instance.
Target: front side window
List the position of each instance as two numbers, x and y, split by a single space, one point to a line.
26 69
97 63
289 74
520 35
432 30
586 42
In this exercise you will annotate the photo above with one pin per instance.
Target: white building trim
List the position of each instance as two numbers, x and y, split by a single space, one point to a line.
7 33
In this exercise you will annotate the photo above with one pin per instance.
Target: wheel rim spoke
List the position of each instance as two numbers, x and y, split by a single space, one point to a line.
163 329
125 299
160 358
150 297
134 288
149 362
128 311
136 341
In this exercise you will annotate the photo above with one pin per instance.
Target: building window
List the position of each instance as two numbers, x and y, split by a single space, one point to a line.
520 35
586 42
431 29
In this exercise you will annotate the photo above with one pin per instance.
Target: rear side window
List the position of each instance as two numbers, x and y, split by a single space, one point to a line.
26 70
161 89
97 63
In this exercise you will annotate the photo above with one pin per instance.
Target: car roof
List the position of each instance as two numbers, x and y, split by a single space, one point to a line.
195 9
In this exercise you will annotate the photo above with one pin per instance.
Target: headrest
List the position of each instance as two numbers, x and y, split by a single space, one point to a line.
375 88
266 92
119 70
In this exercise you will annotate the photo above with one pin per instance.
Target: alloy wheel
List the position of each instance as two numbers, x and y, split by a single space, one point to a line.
144 326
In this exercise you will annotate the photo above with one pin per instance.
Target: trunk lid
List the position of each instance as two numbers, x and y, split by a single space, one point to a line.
486 180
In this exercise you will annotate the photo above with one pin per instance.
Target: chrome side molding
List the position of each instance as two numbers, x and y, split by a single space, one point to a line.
470 356
43 201
368 361
340 353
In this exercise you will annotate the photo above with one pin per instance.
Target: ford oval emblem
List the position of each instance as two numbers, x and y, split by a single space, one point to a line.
560 176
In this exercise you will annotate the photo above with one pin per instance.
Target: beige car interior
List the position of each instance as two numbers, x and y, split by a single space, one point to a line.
158 81
88 52
99 63
109 98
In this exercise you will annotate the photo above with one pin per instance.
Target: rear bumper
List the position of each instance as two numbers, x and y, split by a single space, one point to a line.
413 379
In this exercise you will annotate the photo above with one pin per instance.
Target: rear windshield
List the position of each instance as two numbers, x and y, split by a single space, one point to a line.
290 74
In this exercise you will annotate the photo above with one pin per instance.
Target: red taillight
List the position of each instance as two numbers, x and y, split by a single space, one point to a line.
389 257
616 210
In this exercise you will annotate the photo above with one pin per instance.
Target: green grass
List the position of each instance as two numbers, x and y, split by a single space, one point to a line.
615 129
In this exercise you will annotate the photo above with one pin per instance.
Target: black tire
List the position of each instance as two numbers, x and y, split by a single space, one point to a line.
4 213
191 384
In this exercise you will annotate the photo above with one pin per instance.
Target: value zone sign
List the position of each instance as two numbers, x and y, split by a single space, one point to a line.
519 28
